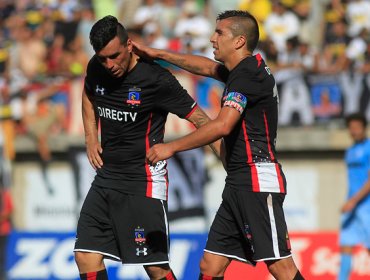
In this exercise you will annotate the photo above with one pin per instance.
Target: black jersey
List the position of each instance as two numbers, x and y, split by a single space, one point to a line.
251 157
133 110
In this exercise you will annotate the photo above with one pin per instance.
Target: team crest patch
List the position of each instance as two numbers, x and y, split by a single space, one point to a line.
236 100
139 236
134 97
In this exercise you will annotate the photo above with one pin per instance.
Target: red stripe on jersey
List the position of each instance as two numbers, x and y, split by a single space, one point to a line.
191 112
254 175
259 59
206 277
268 137
91 275
280 178
149 186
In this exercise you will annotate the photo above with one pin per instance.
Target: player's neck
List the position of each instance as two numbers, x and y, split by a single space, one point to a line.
235 59
133 61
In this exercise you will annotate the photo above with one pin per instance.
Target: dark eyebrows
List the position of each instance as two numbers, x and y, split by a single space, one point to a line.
112 56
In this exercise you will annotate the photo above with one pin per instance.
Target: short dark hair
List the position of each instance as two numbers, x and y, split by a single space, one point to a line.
104 30
243 24
356 117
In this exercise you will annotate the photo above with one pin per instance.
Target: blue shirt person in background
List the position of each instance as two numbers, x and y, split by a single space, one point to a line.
355 228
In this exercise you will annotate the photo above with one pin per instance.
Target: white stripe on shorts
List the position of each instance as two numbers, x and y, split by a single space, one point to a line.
275 242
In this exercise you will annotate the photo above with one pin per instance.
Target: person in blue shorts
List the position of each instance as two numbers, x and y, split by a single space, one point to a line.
355 227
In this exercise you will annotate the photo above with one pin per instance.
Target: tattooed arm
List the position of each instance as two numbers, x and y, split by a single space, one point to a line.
195 64
199 118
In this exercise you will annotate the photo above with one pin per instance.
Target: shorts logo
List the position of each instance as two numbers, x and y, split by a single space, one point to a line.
141 251
134 97
289 247
139 236
248 235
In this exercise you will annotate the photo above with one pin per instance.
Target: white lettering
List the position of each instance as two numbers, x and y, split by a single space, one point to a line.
351 89
114 114
125 114
107 113
62 261
119 115
133 116
33 252
295 99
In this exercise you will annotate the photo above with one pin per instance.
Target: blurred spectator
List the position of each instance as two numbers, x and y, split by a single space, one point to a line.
31 53
281 24
42 114
260 9
358 16
74 59
357 49
192 24
170 13
153 36
84 26
150 11
333 57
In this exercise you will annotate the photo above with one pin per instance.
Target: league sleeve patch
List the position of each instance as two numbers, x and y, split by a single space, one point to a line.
236 100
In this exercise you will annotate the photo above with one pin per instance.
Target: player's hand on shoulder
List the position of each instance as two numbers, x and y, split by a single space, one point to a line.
94 150
144 51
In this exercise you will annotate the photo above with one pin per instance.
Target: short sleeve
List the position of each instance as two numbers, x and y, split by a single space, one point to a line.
236 95
172 97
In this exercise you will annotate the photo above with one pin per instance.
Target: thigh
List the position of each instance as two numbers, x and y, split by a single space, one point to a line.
94 229
225 237
260 217
141 229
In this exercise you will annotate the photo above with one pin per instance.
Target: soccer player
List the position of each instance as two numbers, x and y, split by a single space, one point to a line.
249 225
355 228
124 215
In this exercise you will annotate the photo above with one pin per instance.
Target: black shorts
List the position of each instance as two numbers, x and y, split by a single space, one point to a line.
249 227
128 228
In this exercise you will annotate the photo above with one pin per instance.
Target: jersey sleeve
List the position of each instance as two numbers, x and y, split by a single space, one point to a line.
88 85
172 97
236 95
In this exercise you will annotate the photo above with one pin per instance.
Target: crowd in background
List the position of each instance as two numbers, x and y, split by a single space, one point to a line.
44 51
44 45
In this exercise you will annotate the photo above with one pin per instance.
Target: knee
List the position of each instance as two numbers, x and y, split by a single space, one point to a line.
283 268
157 272
88 261
210 268
81 258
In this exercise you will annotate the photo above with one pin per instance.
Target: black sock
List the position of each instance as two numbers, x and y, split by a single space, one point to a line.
298 276
96 275
169 276
206 277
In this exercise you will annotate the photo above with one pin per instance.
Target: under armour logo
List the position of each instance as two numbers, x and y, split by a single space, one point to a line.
144 251
99 90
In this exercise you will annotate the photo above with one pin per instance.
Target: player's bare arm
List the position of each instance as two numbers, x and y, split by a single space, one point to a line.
195 64
204 135
90 122
359 196
200 118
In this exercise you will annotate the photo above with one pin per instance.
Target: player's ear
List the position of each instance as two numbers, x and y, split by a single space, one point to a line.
240 41
129 45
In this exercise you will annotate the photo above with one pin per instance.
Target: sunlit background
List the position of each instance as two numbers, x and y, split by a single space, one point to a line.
319 52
